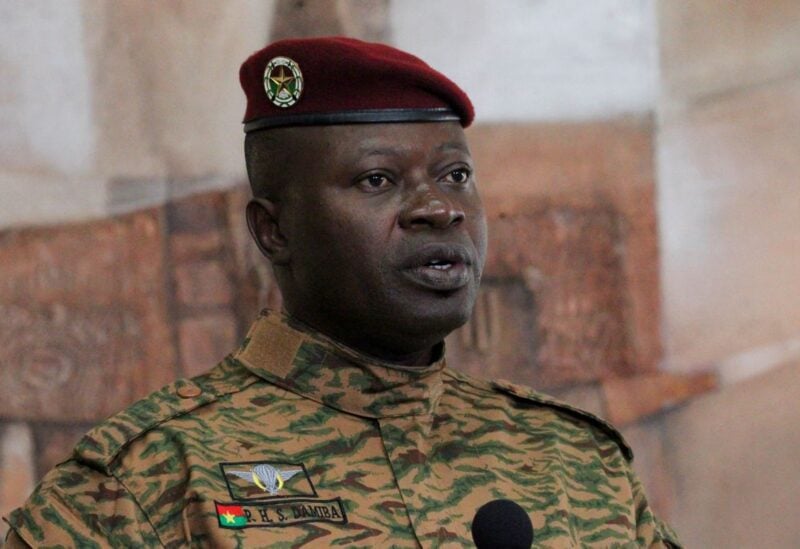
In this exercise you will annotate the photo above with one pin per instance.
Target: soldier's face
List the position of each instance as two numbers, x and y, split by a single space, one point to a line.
386 234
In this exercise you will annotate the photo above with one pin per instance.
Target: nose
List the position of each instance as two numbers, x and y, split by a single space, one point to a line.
429 207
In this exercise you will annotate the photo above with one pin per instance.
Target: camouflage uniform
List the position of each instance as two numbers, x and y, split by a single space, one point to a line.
296 441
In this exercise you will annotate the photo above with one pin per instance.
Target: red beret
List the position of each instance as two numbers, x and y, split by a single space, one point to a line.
337 80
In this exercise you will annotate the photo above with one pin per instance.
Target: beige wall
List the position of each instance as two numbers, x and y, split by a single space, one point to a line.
734 457
729 214
104 104
729 199
556 60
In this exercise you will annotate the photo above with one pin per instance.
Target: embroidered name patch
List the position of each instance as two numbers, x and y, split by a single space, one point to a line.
276 513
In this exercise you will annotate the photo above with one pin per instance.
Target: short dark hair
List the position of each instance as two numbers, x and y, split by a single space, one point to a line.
264 153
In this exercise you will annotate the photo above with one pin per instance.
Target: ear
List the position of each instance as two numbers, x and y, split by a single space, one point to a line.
262 220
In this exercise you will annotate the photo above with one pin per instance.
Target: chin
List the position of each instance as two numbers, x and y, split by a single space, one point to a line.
439 317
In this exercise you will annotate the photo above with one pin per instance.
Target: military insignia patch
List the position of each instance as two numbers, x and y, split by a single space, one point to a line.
231 516
249 480
273 493
280 513
283 82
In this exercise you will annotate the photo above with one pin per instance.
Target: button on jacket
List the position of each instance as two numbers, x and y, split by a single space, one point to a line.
295 440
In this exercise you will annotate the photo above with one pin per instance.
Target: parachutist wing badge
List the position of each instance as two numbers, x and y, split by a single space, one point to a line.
286 474
262 480
246 475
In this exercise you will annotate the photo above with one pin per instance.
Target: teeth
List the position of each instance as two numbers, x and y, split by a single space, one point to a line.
440 265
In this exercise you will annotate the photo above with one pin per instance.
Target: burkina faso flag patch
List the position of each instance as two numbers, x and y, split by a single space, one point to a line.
231 516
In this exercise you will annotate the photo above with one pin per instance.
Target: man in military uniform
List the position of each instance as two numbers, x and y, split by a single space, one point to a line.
337 422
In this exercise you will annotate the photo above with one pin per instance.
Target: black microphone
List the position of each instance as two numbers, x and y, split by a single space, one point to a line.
502 524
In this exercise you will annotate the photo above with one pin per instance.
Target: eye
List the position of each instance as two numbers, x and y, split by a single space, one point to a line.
460 176
374 182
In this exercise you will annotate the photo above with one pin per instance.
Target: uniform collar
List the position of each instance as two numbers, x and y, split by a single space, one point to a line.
285 352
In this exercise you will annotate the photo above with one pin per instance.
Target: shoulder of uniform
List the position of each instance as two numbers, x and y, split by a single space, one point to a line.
526 394
106 441
75 504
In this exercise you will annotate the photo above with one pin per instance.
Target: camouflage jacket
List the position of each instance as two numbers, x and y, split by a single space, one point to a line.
296 441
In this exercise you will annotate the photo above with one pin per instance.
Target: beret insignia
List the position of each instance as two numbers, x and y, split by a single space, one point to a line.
283 82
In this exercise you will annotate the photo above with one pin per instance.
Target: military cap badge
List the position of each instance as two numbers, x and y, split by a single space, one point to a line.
283 82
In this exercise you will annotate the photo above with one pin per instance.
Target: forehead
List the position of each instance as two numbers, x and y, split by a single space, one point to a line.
314 154
338 141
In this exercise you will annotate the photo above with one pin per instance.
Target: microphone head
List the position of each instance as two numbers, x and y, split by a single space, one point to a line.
502 524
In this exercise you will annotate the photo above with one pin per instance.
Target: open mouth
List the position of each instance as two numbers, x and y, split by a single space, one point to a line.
442 267
440 264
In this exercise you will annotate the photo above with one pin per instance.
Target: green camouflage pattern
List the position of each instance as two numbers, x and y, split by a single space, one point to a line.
295 441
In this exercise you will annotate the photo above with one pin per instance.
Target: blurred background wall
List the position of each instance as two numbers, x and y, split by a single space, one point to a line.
639 160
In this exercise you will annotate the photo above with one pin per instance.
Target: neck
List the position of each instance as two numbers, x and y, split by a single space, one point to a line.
411 358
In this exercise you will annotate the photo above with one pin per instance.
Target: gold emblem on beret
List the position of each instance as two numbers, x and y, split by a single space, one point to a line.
283 81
